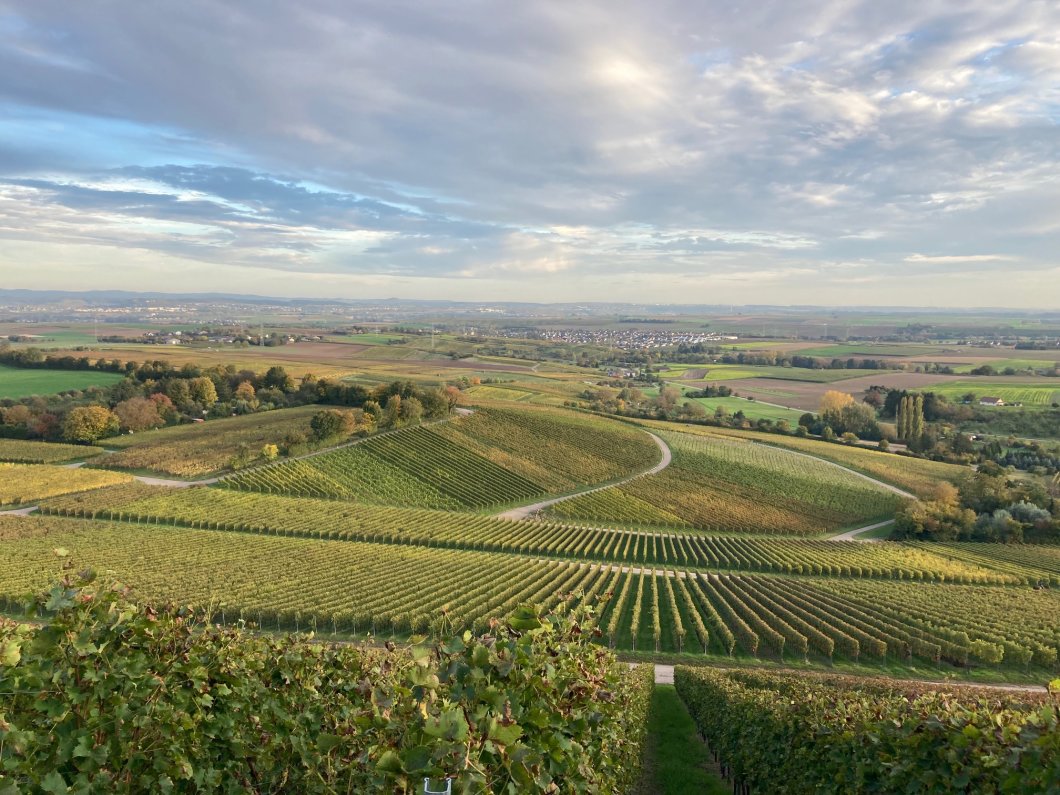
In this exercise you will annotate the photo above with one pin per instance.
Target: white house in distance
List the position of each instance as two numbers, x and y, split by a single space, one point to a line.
991 401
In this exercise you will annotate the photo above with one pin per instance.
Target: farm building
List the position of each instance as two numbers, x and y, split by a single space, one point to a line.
991 401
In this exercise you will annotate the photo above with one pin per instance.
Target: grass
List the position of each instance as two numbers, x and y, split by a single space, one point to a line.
676 761
17 382
752 409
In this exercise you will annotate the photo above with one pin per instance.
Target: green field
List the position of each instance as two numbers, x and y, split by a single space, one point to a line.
752 409
711 373
17 382
869 351
1001 364
1027 394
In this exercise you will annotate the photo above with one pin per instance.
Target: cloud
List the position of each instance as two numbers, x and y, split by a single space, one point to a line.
957 259
579 144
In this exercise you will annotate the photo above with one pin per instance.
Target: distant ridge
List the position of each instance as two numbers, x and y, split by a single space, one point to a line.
126 297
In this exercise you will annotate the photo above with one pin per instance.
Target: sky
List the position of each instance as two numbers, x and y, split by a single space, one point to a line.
834 153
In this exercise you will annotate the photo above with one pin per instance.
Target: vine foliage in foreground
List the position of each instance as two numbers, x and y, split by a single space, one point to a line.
786 733
109 695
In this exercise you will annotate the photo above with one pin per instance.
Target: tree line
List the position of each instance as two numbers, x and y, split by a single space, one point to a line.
157 393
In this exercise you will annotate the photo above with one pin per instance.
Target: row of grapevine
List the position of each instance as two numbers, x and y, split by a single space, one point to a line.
297 583
23 451
189 451
732 485
220 509
27 483
776 733
557 448
282 583
917 475
1038 561
1022 627
414 466
492 457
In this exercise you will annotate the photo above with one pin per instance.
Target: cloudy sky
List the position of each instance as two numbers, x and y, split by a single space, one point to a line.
840 152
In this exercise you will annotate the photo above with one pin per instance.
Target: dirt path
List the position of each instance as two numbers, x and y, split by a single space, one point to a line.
174 484
853 535
526 510
19 511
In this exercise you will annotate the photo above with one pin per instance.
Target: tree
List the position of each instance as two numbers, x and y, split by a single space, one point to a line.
411 411
276 378
178 391
89 423
138 414
166 410
17 415
245 391
269 452
452 397
834 401
392 412
329 423
940 519
910 417
668 397
202 391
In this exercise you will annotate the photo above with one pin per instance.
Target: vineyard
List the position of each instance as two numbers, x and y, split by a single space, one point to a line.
719 484
227 709
490 458
775 733
21 451
1037 562
23 483
190 451
295 583
312 518
915 475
